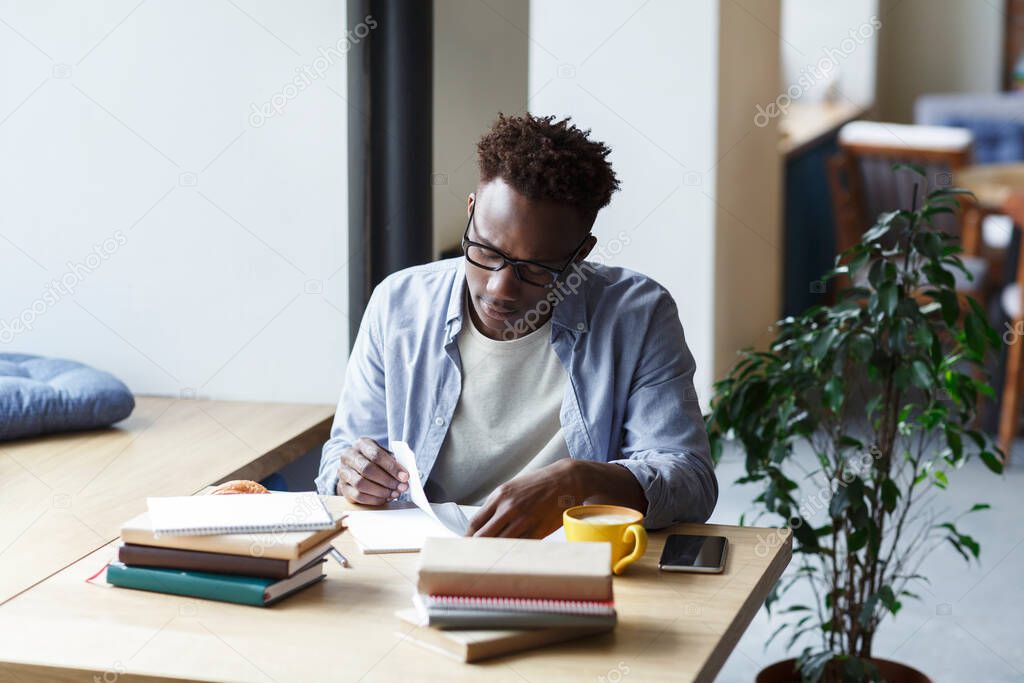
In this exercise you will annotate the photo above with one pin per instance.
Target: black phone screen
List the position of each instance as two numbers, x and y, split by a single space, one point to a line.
695 552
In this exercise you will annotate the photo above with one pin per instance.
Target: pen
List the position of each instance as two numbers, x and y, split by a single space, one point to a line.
342 560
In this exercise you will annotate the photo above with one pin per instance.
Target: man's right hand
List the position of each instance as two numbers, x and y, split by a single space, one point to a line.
370 475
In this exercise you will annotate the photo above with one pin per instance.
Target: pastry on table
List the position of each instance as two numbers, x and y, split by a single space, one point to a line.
239 486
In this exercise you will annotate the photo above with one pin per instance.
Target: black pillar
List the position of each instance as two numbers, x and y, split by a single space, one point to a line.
390 90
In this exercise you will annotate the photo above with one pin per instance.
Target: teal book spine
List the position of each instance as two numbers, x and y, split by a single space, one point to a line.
244 590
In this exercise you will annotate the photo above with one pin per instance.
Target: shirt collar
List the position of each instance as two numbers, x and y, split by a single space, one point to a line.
569 297
458 292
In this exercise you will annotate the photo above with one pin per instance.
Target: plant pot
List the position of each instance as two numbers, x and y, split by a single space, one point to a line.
892 672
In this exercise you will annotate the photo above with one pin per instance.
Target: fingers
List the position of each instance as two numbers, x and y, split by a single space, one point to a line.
365 485
495 526
370 475
383 460
370 470
367 469
493 517
354 495
482 516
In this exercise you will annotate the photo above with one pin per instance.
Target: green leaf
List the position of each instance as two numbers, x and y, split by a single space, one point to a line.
949 192
971 545
954 441
922 375
956 545
805 536
975 330
889 599
839 503
992 461
861 347
890 494
847 441
834 393
857 540
950 305
912 167
938 275
887 295
881 227
823 343
923 335
930 243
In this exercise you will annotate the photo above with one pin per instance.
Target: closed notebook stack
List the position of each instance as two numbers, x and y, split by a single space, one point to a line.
252 568
479 597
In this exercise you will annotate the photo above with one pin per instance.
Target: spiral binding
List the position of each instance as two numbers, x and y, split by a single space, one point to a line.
555 606
243 529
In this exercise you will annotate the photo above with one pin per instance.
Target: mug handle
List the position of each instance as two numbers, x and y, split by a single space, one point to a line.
639 535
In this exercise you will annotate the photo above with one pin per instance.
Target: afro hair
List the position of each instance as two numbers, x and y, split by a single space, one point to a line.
544 159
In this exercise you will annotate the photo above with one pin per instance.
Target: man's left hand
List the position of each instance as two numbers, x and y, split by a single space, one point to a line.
529 506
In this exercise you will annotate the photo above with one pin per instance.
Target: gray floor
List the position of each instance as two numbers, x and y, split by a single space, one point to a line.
967 626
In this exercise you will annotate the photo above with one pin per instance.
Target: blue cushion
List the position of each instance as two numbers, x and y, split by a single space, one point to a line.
42 395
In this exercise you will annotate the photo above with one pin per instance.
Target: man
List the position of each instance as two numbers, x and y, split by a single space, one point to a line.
524 378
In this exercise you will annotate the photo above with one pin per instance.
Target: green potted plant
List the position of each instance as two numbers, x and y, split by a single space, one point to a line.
883 388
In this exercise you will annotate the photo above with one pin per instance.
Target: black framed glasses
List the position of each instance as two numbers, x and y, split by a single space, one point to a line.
530 272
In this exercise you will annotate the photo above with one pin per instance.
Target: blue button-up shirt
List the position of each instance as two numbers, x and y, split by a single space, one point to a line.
629 398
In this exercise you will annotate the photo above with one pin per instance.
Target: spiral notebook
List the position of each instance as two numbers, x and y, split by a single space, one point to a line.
461 612
493 604
238 514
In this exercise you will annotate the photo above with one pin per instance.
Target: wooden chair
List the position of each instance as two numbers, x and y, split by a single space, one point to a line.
863 184
1012 302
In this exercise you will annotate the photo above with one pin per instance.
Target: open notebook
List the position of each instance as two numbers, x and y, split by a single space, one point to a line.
403 531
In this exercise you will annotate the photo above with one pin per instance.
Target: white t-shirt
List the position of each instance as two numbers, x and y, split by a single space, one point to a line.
507 420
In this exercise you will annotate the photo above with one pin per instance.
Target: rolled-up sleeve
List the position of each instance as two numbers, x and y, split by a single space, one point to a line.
361 407
665 444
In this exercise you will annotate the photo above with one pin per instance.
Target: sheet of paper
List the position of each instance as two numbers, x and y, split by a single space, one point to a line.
396 531
450 515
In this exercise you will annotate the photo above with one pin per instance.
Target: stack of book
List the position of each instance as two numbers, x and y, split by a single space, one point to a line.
481 597
242 563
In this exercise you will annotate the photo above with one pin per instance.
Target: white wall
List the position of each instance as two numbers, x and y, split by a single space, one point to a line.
642 77
673 87
224 271
936 46
480 69
845 34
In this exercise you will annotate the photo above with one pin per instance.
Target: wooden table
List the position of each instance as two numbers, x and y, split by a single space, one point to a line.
999 188
805 124
63 496
672 627
992 184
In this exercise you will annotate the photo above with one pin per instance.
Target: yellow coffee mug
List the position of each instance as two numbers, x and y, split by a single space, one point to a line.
620 526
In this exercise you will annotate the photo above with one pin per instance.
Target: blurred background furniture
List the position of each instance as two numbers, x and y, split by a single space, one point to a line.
809 138
996 120
809 133
1011 302
1000 188
863 184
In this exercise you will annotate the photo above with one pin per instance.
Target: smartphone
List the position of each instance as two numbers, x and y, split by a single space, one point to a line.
684 553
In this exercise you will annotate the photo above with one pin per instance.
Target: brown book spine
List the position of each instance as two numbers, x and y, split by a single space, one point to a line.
194 560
